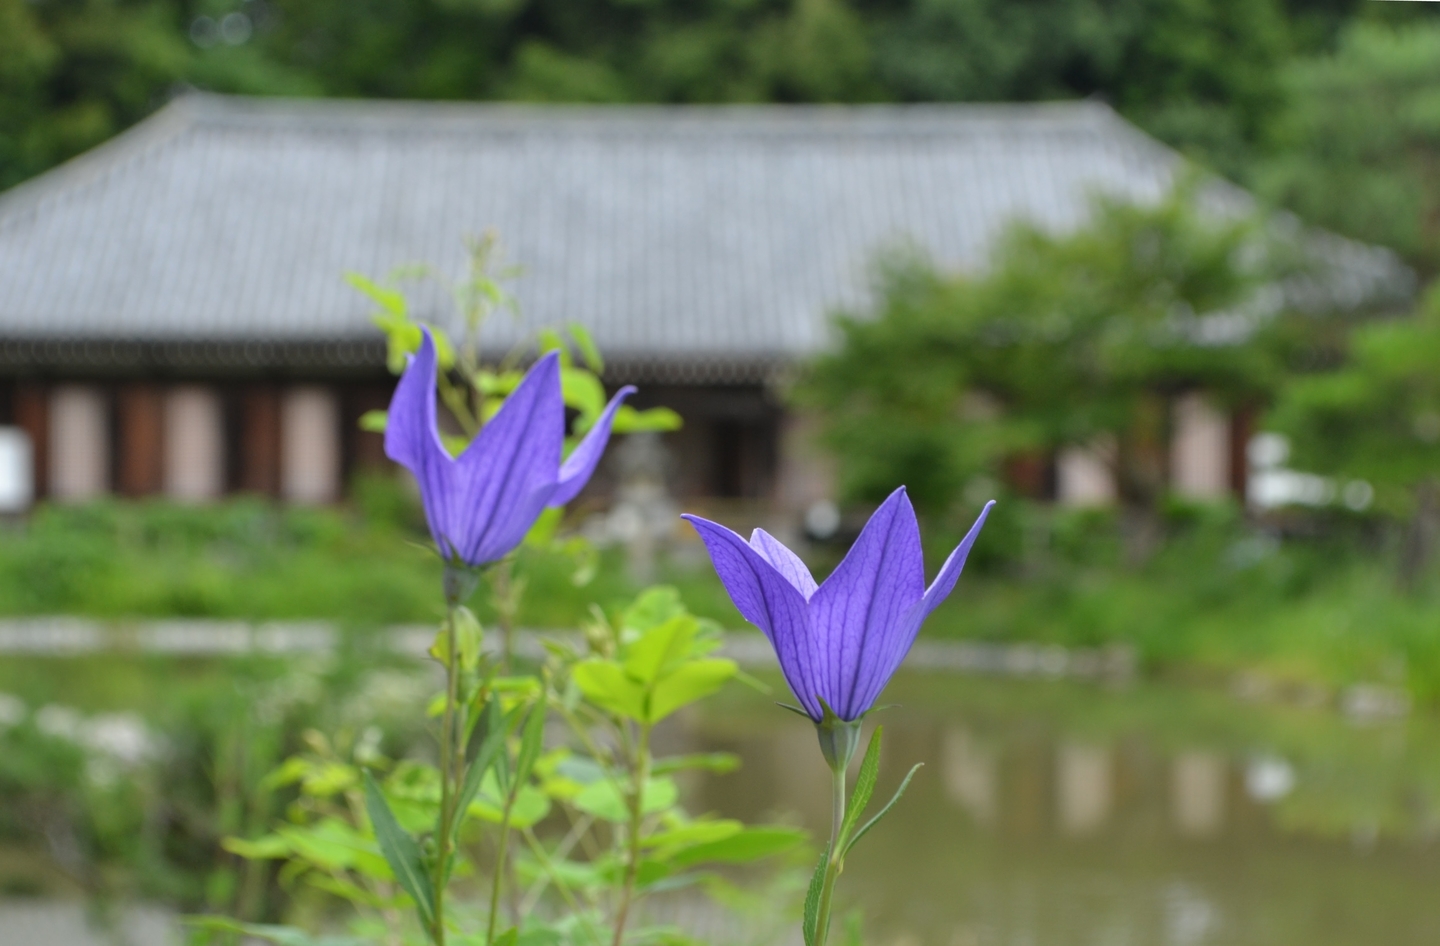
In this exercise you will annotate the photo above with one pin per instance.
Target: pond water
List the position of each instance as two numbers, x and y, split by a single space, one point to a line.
1055 814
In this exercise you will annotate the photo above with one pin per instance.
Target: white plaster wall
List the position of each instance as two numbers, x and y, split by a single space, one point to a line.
310 445
79 443
194 444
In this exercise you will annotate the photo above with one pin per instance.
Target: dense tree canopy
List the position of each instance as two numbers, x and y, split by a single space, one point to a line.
1064 340
1375 418
1206 75
1357 148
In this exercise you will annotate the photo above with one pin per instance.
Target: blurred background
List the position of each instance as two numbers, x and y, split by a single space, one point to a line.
1155 274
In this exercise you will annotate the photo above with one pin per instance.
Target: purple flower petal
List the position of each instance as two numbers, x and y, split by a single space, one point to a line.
786 562
861 607
898 644
412 439
575 471
516 455
767 599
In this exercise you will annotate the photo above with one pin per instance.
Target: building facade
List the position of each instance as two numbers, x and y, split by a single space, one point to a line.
174 318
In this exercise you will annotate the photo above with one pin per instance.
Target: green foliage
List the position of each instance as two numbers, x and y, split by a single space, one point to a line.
476 391
422 829
662 670
1357 147
1205 75
1377 417
362 566
1065 340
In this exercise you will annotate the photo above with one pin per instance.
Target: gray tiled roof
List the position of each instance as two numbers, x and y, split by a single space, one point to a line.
676 234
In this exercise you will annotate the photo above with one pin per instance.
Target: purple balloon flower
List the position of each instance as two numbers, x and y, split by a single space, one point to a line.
480 504
840 642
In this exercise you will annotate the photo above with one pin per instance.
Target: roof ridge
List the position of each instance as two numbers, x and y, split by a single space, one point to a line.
158 128
784 118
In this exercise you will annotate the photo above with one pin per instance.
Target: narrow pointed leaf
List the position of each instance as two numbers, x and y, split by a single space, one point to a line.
531 742
401 853
812 898
492 742
503 771
883 811
864 785
588 349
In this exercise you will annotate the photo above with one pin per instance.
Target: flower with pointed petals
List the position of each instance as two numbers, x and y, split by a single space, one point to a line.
839 642
480 504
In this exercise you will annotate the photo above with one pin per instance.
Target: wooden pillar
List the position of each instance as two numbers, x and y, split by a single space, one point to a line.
141 440
32 415
1242 428
260 441
363 449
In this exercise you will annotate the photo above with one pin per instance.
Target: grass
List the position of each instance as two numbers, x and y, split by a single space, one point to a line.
1317 606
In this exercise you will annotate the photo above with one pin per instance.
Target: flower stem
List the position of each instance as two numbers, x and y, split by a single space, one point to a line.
641 770
448 792
500 855
834 861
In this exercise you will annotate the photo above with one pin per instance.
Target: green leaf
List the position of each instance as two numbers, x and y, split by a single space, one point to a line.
883 811
529 807
508 937
444 349
492 732
392 301
717 762
658 420
812 898
661 649
690 682
547 524
375 421
328 843
550 340
270 847
531 742
468 636
605 800
280 935
605 684
696 832
440 652
498 384
653 607
583 392
750 844
289 772
864 784
345 890
401 853
588 349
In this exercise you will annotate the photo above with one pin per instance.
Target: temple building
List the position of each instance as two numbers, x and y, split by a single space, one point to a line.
174 318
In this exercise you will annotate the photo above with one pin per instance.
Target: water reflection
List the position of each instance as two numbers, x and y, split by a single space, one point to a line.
1057 814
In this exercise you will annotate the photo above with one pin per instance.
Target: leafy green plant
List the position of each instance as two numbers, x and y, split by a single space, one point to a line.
400 841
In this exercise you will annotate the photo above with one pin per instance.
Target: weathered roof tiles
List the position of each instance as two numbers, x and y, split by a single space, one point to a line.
719 236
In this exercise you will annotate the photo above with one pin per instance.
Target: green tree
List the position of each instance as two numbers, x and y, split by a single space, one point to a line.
75 72
1065 340
1376 418
1358 148
1203 74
